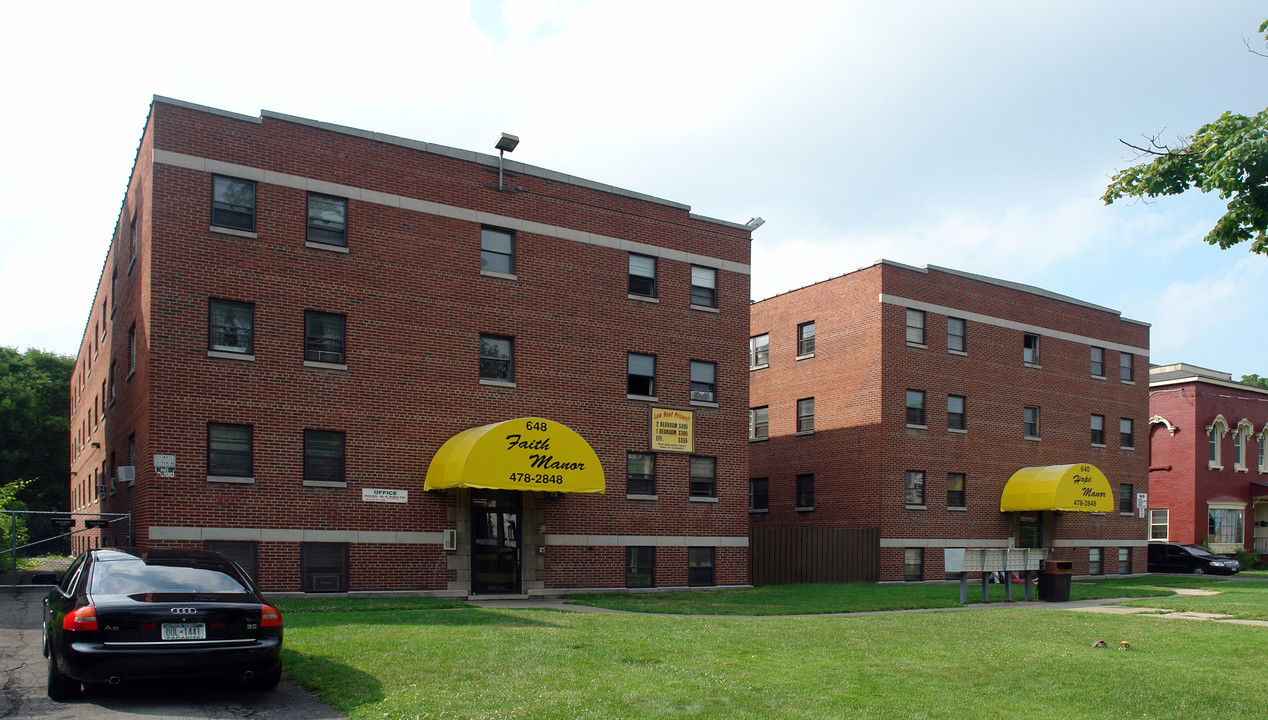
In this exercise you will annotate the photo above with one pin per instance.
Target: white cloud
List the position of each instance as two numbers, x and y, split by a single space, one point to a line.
1214 320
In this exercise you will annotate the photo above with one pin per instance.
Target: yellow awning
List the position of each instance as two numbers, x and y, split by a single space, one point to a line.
1070 488
521 454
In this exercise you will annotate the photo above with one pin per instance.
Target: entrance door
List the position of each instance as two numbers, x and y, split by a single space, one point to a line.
495 542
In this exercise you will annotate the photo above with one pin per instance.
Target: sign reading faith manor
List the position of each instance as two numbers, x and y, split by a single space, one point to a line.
673 430
521 454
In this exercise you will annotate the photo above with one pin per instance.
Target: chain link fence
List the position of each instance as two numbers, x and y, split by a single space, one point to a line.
40 544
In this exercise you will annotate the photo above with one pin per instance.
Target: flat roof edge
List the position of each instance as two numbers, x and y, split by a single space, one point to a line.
1031 289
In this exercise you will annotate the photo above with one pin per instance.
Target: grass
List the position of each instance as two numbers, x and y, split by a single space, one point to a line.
333 604
1244 599
1005 661
843 598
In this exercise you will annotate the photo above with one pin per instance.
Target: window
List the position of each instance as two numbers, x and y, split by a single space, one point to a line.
243 552
1240 435
642 375
229 450
759 494
759 351
1098 429
1214 433
915 487
703 482
955 490
232 203
704 286
805 492
1125 367
642 275
640 473
1094 564
913 564
1124 560
703 381
700 566
327 220
324 566
1263 455
915 327
131 349
806 339
229 326
497 250
955 334
1158 522
1126 494
915 407
806 415
1126 438
324 456
496 358
1098 362
640 566
1030 420
1030 349
758 423
133 240
955 413
1225 525
324 337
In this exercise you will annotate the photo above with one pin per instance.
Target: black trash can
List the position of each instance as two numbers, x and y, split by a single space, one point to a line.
1054 580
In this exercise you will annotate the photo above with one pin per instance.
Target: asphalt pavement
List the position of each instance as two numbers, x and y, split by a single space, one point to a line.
24 670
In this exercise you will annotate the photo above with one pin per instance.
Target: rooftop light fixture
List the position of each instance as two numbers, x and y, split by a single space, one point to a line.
505 144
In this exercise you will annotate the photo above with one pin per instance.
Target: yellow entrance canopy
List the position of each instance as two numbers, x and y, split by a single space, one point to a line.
1070 488
522 454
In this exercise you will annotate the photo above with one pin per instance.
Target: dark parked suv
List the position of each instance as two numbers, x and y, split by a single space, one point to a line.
1177 558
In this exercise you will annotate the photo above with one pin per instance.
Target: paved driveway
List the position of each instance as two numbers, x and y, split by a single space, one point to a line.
24 670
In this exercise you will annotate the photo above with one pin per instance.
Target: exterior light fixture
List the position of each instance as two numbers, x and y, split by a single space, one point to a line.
505 144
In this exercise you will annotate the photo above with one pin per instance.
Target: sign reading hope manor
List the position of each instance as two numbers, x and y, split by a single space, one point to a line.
673 430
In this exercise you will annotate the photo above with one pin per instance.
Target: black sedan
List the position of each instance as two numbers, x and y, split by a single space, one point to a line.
137 613
1179 558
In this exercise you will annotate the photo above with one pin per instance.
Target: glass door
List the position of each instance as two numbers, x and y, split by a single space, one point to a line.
495 542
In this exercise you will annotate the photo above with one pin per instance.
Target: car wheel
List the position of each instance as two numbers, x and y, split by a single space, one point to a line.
1199 570
60 687
267 681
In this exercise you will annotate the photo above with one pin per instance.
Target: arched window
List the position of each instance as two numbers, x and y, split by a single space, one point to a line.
1244 430
1214 433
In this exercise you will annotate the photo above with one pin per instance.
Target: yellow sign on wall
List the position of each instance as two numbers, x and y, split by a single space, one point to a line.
673 430
523 454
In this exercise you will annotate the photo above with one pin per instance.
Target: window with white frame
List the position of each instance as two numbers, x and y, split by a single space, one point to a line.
497 250
704 286
758 423
1030 349
1240 435
1159 524
915 327
1226 523
1214 433
759 351
1263 440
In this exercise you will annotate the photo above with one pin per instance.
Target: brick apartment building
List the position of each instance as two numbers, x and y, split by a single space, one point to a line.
908 399
1208 472
359 362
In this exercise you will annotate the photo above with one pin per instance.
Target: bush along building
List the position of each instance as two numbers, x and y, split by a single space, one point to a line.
1208 472
953 412
356 362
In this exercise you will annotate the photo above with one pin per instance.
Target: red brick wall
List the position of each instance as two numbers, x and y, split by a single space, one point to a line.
862 447
416 303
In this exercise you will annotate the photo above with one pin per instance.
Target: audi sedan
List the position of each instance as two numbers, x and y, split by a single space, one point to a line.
140 614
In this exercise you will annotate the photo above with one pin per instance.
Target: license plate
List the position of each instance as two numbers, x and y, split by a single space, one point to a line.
184 631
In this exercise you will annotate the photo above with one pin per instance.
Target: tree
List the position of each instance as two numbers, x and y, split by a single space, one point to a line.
1228 156
35 426
1254 379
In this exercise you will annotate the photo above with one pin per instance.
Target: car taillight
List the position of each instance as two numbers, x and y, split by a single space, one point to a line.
84 618
270 616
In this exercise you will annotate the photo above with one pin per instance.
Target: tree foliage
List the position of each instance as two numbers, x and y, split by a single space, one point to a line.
1254 379
1228 157
35 426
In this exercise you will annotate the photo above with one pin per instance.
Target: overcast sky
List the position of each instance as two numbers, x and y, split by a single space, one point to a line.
972 135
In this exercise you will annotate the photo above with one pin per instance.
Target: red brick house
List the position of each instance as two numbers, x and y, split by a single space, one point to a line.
1208 475
909 399
294 318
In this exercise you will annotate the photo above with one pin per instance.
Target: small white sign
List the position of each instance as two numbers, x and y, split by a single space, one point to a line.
165 466
380 495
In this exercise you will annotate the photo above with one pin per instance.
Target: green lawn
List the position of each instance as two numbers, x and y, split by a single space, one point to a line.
398 658
1033 663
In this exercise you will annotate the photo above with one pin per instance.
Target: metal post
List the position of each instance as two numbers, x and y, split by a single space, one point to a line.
964 588
1026 575
986 589
1008 580
13 545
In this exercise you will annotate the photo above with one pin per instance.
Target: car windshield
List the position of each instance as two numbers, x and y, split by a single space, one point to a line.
137 577
1200 551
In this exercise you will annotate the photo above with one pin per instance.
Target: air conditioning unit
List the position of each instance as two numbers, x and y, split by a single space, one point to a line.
127 474
101 488
702 395
451 539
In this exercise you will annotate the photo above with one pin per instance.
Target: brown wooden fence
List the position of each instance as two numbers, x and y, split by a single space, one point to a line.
784 555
